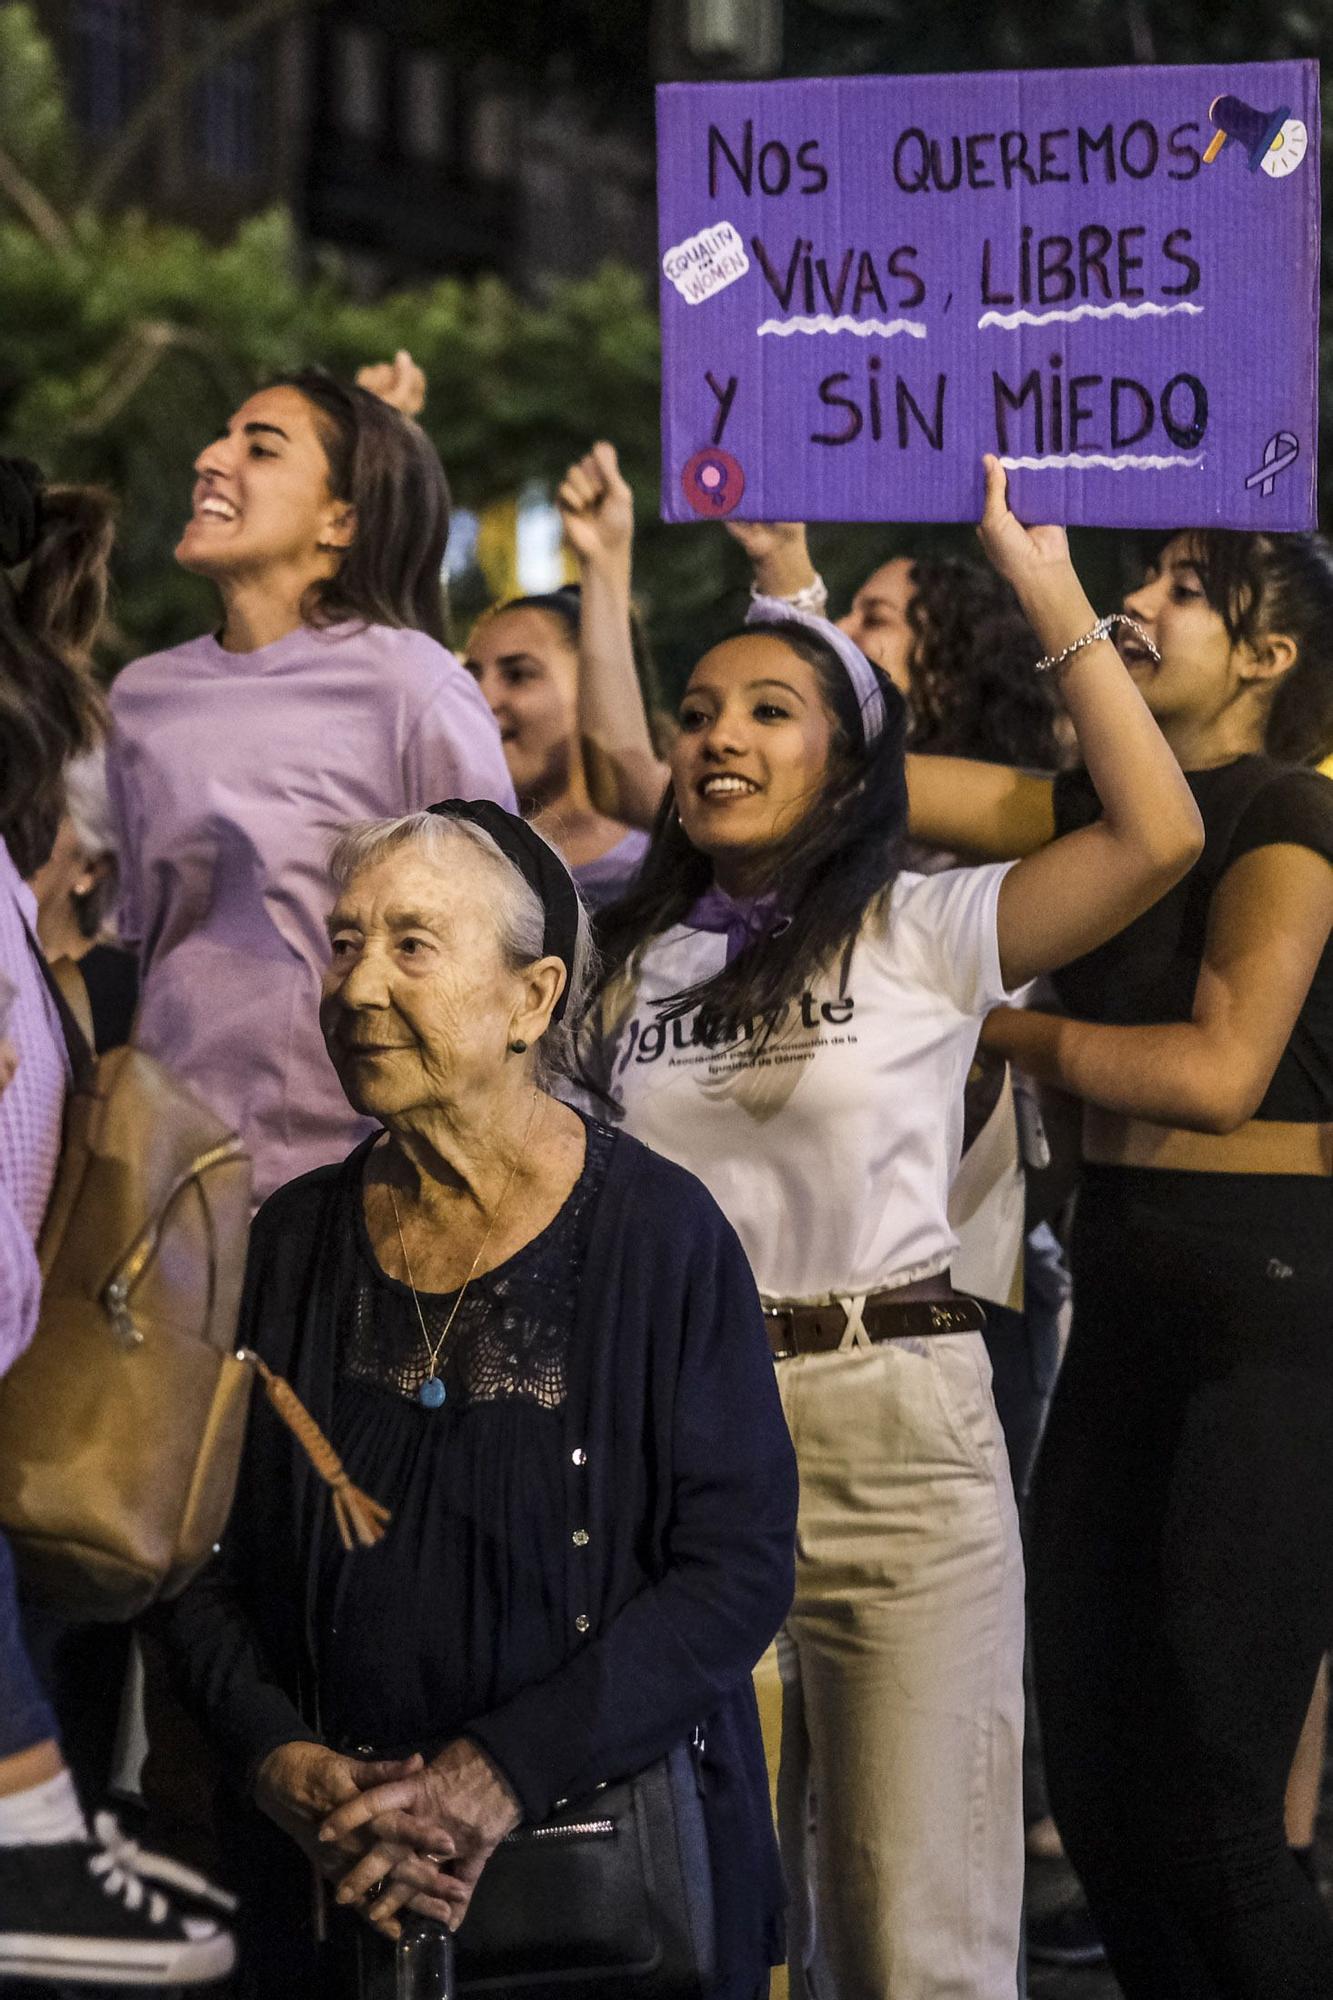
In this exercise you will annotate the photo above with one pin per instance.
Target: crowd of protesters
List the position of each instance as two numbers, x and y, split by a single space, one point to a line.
662 1245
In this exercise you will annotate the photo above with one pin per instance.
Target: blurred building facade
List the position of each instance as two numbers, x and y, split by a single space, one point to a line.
407 163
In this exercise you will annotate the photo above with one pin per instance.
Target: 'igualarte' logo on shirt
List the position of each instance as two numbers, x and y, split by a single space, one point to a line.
649 1041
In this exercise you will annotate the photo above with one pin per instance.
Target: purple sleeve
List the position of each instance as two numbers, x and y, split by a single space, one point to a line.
20 1284
454 752
129 906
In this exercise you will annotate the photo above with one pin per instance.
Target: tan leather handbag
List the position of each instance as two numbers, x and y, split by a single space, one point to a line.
121 1425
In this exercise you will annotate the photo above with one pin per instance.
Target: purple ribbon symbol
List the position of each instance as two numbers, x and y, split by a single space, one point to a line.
1282 450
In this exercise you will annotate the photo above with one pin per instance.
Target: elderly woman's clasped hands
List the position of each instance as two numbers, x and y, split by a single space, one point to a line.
412 1834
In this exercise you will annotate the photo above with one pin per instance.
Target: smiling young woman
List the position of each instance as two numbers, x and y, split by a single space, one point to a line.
320 515
524 656
1181 1535
792 1015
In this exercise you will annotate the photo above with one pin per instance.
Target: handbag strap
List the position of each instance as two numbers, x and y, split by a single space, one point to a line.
82 1061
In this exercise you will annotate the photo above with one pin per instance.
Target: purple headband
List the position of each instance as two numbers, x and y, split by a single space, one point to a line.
863 677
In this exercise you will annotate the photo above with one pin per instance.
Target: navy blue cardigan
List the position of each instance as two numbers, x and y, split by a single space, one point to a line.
677 1463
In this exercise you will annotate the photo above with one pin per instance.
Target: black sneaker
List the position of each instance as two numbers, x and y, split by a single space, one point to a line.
77 1914
187 1888
1065 1935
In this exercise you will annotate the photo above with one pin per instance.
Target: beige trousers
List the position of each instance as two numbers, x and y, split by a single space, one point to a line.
900 1789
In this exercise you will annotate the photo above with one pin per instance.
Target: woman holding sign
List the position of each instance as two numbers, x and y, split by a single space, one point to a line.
1182 1529
793 1017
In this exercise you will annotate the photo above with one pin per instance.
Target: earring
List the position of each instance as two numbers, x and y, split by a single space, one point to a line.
518 1048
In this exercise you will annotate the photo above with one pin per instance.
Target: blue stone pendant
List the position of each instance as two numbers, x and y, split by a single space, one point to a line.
431 1393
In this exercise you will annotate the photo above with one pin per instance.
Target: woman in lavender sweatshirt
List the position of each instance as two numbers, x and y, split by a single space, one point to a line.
320 515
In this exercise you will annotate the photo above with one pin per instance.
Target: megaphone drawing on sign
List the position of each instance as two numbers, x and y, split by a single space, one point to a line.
1273 140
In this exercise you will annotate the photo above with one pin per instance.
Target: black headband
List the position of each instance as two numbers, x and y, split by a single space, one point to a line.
21 487
543 871
565 603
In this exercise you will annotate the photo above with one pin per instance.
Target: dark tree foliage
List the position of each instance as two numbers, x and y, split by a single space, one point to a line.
124 343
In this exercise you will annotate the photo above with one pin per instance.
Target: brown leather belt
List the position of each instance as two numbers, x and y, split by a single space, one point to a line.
886 1316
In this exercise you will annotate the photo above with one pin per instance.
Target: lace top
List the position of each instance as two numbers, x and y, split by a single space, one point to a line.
463 1602
512 1330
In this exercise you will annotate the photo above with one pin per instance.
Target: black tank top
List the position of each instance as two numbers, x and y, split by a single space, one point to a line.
1149 972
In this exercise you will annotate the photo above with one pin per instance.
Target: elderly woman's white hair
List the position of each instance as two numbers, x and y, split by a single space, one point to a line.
88 807
520 920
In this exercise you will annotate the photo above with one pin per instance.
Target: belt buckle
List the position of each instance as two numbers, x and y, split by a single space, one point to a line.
779 1353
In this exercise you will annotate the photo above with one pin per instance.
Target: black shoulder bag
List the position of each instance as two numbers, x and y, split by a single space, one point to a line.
612 1896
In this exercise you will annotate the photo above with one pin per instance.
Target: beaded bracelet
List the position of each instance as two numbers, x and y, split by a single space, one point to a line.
812 598
1101 630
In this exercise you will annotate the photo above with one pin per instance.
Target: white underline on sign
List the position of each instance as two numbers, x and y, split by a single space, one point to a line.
1118 311
1086 460
822 323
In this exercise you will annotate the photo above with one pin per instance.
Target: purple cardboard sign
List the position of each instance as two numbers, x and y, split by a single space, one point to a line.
1108 277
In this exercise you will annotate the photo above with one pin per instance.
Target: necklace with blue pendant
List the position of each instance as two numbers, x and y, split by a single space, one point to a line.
432 1393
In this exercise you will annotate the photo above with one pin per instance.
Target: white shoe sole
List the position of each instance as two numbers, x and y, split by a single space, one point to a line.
98 1962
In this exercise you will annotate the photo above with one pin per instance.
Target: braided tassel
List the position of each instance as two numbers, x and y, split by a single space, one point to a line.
361 1520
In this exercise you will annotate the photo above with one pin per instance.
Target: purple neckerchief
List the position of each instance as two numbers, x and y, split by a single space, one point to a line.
742 919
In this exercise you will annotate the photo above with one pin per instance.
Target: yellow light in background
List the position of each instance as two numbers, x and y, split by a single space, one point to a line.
520 551
497 548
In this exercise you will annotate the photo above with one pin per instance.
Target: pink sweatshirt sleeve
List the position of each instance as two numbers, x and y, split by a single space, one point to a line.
454 752
129 908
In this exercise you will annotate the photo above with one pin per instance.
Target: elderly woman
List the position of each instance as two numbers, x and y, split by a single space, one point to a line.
540 1347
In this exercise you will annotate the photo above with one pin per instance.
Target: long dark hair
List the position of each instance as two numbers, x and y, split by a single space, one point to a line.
1280 584
50 710
974 689
841 854
386 468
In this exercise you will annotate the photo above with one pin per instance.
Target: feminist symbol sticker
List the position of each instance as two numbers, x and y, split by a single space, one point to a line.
713 483
1282 450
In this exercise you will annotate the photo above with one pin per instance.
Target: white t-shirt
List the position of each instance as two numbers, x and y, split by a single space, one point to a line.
832 1152
988 1209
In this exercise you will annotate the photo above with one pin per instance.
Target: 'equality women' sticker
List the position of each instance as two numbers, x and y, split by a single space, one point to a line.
706 263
